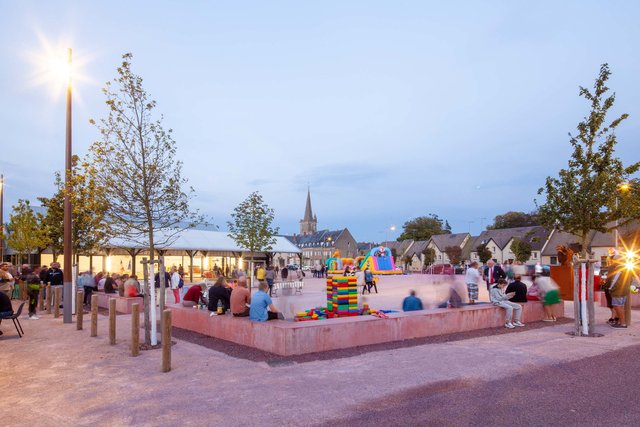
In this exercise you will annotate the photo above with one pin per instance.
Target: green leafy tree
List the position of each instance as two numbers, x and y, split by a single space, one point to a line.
454 253
88 213
251 226
407 260
583 198
514 219
25 235
521 249
484 254
429 256
423 227
134 162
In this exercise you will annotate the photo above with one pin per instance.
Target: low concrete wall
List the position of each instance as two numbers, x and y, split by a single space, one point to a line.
291 338
123 304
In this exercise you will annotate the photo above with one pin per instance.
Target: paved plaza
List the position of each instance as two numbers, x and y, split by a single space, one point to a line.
537 375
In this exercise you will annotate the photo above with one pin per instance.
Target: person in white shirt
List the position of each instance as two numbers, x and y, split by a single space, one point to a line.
471 279
175 284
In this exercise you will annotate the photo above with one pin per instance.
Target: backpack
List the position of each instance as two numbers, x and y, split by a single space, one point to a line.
181 283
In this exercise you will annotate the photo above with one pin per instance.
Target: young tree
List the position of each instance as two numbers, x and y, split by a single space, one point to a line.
251 226
423 227
521 249
135 163
407 260
25 235
88 213
429 256
582 199
454 253
484 254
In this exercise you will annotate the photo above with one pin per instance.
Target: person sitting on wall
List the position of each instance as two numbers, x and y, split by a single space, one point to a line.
260 302
109 285
412 302
500 299
241 298
220 292
518 288
132 287
195 295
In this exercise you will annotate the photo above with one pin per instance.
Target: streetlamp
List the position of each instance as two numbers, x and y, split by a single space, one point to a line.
67 314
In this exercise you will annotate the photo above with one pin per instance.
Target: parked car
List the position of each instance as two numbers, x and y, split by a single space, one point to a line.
306 268
293 267
441 269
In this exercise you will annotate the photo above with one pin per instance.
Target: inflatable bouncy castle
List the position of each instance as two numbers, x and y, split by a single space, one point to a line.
337 265
380 261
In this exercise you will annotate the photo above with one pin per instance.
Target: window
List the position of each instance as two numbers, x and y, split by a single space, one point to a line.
553 260
534 254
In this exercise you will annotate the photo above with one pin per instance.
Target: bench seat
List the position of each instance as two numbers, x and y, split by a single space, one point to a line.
287 338
123 304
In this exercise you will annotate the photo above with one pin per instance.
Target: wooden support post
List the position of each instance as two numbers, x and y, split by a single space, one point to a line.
49 297
79 301
112 321
166 341
135 330
41 299
22 289
94 315
56 301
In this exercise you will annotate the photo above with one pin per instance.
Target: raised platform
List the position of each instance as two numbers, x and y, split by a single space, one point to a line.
291 338
123 304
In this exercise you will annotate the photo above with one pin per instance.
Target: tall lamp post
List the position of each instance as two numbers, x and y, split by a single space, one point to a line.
68 253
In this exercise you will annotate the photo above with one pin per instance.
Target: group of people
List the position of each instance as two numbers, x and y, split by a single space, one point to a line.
237 299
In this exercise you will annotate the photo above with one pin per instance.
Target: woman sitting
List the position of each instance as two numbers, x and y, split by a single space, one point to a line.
219 292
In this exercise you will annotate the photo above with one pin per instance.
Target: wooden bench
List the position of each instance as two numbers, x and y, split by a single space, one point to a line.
288 338
123 304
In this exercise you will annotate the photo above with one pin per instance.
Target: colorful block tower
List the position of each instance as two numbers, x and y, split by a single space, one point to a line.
342 296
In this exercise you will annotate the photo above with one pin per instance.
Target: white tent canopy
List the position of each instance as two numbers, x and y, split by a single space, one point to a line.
201 240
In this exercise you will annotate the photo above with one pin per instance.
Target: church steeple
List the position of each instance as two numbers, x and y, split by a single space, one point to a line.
309 224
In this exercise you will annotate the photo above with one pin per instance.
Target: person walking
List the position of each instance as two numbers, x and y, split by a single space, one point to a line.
32 282
471 278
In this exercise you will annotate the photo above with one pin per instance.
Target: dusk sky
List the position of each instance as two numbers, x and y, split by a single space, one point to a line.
387 110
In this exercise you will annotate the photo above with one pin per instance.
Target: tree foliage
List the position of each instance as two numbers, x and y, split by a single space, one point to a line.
484 254
25 235
135 163
514 219
251 226
454 253
89 208
429 256
583 196
423 227
521 249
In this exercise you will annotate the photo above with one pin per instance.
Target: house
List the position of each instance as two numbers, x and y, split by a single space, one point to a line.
440 242
416 255
399 249
499 243
319 246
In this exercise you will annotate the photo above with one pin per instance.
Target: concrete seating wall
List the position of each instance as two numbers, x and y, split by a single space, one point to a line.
292 338
123 304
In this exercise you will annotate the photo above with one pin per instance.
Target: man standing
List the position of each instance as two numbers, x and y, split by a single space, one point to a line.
175 284
493 273
55 278
269 276
260 274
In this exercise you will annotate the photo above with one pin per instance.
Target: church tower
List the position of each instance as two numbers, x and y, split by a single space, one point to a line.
309 224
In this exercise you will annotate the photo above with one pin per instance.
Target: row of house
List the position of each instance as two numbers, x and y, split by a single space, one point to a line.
543 245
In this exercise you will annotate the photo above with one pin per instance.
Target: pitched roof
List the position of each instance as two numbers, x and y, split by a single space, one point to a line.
322 238
444 240
400 247
536 235
417 248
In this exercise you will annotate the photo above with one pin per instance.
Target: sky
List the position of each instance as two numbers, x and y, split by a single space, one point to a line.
386 110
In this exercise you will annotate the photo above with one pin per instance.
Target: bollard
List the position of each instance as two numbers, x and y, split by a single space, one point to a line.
48 299
41 300
135 330
166 341
56 301
79 307
94 315
112 321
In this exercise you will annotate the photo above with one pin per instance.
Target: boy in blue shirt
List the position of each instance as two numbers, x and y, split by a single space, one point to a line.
260 301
